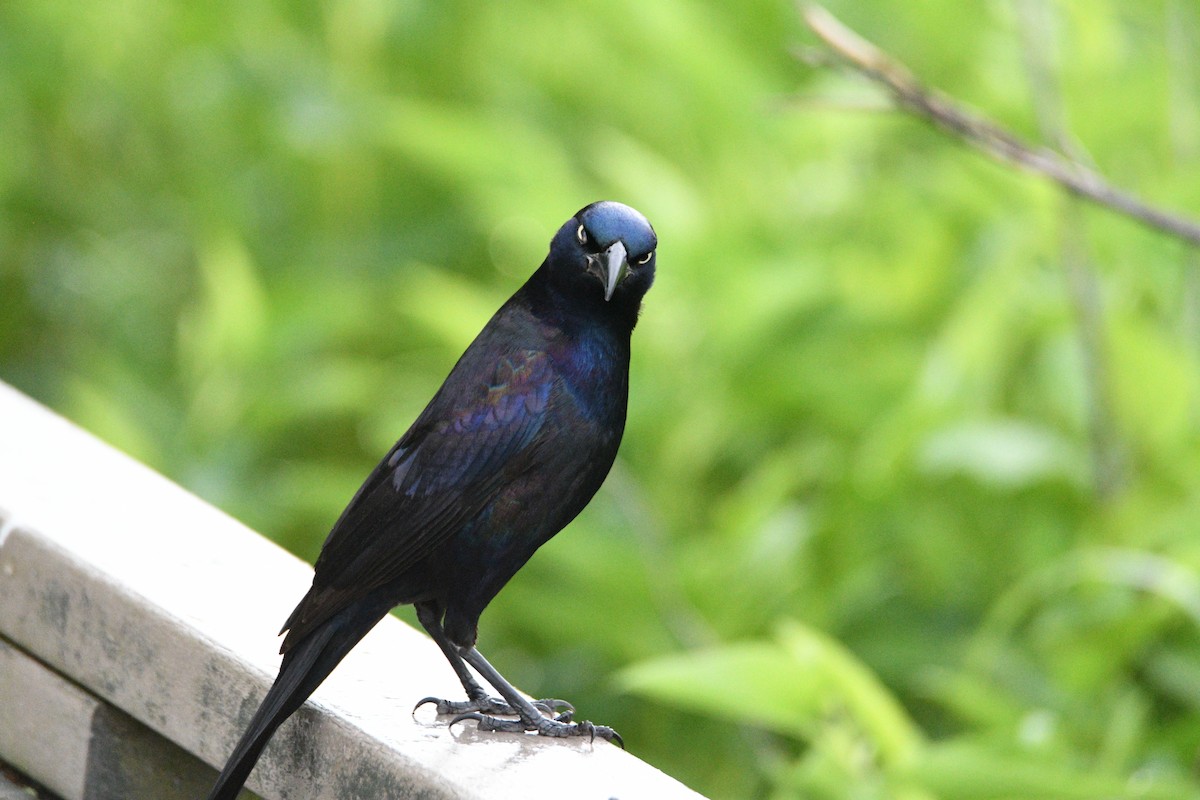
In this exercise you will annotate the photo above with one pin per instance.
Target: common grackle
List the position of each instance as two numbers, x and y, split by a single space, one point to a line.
513 445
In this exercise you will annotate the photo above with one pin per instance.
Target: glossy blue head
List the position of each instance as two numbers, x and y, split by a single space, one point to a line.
605 253
608 222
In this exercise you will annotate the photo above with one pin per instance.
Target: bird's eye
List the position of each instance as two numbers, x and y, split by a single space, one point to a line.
644 259
581 235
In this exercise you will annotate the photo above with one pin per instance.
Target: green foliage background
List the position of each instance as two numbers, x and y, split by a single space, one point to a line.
907 506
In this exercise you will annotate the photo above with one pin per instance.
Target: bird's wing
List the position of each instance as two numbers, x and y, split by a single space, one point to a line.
439 476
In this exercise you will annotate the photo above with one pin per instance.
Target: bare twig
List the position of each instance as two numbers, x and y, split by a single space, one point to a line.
946 113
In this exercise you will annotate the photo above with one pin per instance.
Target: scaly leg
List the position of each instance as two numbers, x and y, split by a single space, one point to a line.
529 717
478 700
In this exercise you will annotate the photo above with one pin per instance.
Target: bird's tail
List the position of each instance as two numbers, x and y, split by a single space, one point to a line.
304 667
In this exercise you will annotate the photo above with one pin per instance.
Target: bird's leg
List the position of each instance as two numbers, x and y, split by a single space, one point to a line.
477 697
529 716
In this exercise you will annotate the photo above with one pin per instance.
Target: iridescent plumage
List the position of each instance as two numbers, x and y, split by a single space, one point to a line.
511 448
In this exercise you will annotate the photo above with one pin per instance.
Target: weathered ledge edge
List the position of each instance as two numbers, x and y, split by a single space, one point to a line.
136 628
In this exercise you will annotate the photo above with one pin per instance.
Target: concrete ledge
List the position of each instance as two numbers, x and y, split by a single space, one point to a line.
14 785
83 748
133 611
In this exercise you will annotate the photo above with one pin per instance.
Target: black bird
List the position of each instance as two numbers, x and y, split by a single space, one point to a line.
511 448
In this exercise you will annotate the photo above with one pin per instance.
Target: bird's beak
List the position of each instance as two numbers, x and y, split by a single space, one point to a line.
610 267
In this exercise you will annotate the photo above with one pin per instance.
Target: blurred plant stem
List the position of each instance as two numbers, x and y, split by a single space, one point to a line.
1183 121
1034 27
685 622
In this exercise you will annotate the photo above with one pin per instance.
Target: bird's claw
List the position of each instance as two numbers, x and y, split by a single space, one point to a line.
550 705
494 705
558 727
485 704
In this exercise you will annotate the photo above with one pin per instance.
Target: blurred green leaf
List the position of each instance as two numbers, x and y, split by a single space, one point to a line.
750 683
1003 453
971 772
790 686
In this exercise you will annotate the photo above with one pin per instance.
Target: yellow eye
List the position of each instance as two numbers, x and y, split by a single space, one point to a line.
581 235
644 259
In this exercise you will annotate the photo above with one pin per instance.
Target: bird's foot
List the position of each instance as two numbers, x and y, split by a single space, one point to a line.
557 727
485 704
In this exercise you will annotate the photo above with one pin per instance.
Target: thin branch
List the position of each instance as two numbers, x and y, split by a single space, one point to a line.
948 114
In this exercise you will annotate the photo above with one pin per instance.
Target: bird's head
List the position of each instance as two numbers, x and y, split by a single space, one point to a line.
607 251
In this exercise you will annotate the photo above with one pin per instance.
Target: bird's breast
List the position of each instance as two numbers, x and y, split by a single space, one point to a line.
594 375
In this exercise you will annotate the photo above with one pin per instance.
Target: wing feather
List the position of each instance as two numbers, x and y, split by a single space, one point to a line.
441 475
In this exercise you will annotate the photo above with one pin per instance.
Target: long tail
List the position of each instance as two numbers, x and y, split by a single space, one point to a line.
304 667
